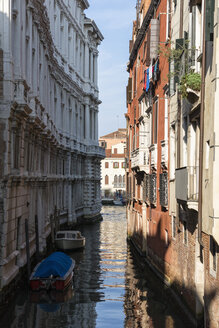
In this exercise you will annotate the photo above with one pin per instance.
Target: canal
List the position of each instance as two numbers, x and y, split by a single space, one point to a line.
111 288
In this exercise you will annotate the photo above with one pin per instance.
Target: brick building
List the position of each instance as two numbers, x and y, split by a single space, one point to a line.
172 148
147 123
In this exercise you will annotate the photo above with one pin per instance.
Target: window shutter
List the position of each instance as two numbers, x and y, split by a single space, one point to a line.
148 57
179 45
155 38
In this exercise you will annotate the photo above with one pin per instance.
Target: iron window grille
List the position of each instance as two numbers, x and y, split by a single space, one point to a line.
153 188
164 189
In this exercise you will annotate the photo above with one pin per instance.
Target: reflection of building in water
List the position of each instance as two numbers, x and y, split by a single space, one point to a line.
49 153
135 305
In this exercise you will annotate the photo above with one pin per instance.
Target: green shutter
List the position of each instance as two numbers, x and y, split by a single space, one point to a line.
209 20
180 43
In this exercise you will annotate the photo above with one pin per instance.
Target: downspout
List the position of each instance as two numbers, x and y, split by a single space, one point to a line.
178 96
201 131
179 110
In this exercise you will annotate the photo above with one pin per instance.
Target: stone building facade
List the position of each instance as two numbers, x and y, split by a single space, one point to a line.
113 184
50 157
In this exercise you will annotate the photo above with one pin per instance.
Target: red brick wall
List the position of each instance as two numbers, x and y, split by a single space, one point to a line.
211 287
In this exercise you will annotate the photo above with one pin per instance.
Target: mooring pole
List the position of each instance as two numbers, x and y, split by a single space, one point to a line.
27 247
37 239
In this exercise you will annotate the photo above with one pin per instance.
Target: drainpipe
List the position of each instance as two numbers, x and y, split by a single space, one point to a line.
201 131
179 108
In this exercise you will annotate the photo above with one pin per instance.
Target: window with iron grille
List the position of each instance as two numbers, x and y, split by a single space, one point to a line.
153 188
146 187
163 189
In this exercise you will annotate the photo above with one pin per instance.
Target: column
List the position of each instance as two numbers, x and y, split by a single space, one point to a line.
96 70
87 124
86 61
96 125
29 59
91 68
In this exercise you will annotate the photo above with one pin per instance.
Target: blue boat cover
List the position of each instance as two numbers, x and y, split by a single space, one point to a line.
57 264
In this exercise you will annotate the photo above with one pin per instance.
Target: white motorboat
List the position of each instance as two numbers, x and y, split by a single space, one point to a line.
69 239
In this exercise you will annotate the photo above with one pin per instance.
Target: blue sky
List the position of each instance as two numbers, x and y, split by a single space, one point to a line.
114 19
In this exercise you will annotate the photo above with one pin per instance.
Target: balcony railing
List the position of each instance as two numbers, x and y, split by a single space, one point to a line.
164 152
135 158
187 183
119 185
140 158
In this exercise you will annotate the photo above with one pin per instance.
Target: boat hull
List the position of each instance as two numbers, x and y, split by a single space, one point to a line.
52 279
68 244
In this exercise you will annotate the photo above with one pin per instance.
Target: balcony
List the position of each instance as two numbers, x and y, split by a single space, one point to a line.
140 160
153 150
187 184
164 153
119 185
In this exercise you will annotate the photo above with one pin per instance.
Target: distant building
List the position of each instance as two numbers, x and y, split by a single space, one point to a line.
49 152
113 165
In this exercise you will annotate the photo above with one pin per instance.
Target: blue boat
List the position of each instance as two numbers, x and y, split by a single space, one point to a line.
54 272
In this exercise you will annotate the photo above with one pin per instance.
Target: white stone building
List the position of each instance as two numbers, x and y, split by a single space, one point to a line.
113 165
49 158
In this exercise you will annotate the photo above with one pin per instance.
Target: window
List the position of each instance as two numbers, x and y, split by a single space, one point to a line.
106 179
173 226
166 238
103 144
155 116
115 150
172 152
115 181
166 119
123 180
116 165
106 165
15 149
123 165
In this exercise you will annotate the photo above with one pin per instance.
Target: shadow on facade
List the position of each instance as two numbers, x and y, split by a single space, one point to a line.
76 307
179 301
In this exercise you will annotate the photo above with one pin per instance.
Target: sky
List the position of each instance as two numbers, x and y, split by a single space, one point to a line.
114 18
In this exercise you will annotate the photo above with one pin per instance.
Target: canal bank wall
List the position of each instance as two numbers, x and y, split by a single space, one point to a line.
21 278
176 297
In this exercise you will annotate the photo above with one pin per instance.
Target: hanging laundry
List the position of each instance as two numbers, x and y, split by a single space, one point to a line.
148 81
150 72
156 70
145 80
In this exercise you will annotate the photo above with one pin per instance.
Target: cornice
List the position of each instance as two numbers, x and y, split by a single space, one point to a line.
141 33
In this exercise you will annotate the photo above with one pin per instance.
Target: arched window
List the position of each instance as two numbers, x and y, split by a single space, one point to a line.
120 179
106 179
115 181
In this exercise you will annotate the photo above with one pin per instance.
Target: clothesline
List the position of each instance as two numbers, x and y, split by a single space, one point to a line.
151 73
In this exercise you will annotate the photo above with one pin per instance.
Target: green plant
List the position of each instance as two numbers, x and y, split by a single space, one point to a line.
190 80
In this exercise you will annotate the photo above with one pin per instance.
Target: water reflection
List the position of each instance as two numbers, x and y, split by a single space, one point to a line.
111 288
